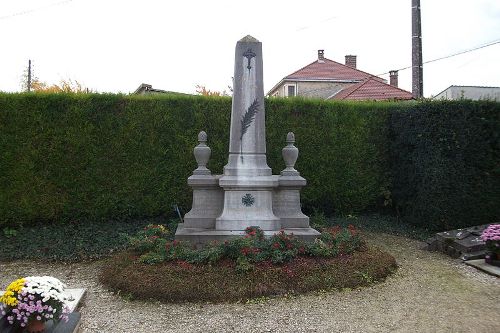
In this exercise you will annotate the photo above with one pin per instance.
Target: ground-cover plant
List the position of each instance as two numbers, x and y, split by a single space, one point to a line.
373 222
78 240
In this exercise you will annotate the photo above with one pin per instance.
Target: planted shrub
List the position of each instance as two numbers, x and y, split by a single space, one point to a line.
152 246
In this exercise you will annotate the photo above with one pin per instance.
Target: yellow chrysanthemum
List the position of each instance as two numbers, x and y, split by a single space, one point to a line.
10 296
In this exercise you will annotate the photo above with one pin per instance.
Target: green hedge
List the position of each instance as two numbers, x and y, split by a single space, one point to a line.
343 151
71 157
445 159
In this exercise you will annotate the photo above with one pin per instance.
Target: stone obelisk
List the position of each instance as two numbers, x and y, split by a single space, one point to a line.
247 194
247 181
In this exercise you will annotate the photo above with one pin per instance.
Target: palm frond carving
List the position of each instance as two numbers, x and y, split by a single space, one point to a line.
249 117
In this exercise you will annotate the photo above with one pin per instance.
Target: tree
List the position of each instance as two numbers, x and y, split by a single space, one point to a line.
202 90
64 86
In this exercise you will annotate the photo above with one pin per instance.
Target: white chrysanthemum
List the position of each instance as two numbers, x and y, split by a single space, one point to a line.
47 286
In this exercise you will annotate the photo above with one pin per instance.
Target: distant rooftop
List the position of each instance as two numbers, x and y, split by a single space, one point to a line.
145 89
330 70
372 89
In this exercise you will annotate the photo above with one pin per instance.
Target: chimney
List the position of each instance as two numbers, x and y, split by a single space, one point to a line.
321 55
350 61
393 78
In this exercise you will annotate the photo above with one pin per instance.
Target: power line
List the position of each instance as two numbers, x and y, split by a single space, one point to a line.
452 55
29 11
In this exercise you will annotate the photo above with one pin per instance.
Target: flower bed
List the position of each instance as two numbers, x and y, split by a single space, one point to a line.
248 267
152 245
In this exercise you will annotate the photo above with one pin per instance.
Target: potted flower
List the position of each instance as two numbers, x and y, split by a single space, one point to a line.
31 301
491 236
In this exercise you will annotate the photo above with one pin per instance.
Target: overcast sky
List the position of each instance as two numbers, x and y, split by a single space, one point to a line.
115 45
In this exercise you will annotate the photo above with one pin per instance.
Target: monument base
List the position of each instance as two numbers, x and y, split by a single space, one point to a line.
201 237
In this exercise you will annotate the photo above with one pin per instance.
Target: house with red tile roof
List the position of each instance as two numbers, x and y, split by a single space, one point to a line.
328 79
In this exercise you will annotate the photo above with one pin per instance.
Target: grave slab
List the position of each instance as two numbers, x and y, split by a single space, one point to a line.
464 243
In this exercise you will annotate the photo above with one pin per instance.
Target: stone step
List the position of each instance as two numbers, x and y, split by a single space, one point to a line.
473 255
483 266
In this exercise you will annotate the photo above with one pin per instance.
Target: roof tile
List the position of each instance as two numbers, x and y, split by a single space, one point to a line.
330 70
371 89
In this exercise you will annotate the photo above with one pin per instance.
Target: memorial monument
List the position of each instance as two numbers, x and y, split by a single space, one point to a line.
247 194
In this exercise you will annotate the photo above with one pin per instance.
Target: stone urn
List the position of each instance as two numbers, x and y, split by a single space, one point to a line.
202 154
290 154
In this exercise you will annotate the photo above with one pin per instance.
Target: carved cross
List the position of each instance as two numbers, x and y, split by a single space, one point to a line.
249 54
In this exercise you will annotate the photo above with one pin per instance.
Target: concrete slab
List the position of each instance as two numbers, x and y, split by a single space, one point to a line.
75 297
483 266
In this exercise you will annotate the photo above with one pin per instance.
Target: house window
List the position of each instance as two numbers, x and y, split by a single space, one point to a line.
290 90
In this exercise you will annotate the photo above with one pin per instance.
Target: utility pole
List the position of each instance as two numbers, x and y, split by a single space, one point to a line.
29 75
416 51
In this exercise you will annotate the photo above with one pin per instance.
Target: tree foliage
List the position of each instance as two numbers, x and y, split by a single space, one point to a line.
64 86
202 90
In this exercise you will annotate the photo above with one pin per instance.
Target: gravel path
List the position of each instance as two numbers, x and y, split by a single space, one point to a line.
429 293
